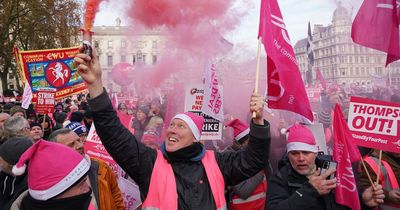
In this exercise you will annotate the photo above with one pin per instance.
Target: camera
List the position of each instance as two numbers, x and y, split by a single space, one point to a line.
325 162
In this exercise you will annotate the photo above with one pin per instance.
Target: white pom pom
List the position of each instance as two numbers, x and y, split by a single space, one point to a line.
283 131
18 171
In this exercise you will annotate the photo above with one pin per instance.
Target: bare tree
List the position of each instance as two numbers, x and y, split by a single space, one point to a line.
35 25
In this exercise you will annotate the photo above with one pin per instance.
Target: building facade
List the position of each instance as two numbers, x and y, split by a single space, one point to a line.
122 44
340 60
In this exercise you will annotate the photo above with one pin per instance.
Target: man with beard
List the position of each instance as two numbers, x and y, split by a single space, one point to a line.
299 185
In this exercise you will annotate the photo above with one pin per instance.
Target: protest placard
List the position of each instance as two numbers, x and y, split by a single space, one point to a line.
375 124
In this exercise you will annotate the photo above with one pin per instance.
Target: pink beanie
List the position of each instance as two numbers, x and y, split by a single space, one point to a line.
194 121
240 129
301 138
52 169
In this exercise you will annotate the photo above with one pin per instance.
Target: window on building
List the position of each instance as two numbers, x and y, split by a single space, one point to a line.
362 71
139 56
96 43
109 60
144 59
343 70
10 76
11 86
355 59
362 59
154 44
133 59
366 59
110 44
357 71
123 58
154 59
123 44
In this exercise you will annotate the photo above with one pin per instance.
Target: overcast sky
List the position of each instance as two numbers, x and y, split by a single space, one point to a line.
296 14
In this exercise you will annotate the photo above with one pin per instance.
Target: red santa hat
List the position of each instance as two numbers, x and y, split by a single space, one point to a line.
194 121
301 138
240 130
52 168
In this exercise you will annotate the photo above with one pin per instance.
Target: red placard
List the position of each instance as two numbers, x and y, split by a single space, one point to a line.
45 101
375 124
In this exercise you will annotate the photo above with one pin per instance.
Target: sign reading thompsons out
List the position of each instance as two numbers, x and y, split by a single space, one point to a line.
45 101
375 124
212 128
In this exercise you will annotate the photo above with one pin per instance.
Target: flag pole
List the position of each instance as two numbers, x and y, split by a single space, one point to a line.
366 171
379 166
257 70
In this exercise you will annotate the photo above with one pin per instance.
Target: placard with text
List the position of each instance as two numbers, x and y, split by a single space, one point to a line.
45 101
375 124
212 128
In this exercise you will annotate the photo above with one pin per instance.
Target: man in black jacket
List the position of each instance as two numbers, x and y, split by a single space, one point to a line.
183 152
299 185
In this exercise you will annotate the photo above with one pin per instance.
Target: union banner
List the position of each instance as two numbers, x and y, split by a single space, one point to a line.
52 69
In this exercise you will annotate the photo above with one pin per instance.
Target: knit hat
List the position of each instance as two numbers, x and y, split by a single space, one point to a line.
194 121
301 138
33 124
52 169
240 130
77 128
13 148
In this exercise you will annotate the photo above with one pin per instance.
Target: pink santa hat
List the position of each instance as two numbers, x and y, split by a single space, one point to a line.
52 168
301 138
194 121
240 129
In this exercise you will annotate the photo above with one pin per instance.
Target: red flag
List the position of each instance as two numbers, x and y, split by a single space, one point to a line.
321 78
286 89
376 26
344 153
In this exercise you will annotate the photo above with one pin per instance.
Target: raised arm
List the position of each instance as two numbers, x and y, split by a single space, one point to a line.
135 158
241 165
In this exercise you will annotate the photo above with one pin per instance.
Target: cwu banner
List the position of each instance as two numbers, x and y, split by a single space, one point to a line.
50 69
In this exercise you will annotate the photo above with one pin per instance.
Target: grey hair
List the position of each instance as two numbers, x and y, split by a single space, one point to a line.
14 125
54 135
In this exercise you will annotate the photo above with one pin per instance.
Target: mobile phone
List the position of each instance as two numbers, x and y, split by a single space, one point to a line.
326 166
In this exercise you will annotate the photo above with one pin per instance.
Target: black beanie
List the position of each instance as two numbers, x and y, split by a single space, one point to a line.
12 149
33 124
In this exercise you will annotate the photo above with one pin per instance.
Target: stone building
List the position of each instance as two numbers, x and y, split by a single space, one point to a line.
340 60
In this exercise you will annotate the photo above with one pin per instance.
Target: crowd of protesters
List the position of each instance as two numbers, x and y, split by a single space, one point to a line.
43 164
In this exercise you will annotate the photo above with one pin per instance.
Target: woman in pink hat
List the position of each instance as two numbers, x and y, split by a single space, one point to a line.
182 174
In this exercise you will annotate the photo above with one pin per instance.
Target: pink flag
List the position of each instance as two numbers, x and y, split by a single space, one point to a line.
27 96
114 101
321 78
376 26
213 101
344 153
286 89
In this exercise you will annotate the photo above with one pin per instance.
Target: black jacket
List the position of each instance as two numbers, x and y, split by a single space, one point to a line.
288 190
194 192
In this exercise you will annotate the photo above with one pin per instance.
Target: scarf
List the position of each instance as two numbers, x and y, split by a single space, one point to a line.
193 152
78 202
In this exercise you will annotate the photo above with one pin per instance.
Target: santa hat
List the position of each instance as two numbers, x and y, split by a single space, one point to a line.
194 121
240 130
52 169
301 138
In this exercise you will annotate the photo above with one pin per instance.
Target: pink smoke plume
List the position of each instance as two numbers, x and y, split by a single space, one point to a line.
154 13
91 8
